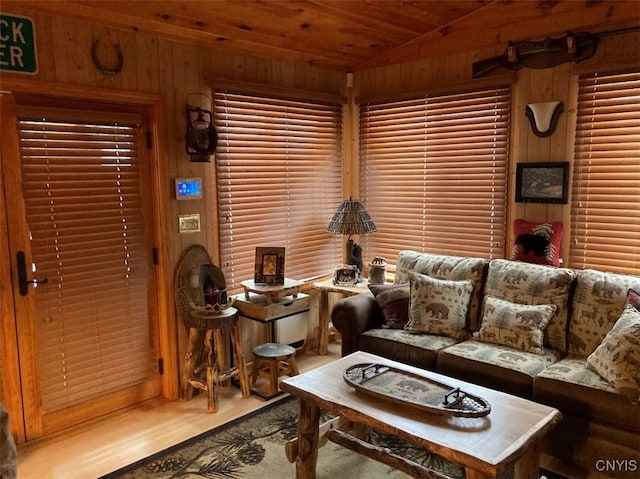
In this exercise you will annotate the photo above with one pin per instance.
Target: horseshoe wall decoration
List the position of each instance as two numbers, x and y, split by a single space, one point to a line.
103 69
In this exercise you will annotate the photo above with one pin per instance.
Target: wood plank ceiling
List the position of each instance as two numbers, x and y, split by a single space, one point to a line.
348 35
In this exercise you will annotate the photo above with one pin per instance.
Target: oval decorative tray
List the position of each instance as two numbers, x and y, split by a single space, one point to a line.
402 387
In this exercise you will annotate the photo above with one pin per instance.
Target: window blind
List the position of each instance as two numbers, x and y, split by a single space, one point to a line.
605 205
279 173
81 184
433 173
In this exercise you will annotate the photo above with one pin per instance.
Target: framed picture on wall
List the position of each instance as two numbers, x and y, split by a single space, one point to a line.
542 182
269 266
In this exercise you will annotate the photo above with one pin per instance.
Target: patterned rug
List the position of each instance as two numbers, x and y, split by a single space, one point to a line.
253 446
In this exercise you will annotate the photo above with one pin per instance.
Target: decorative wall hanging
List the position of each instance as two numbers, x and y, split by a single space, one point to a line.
201 137
544 117
105 70
550 52
542 182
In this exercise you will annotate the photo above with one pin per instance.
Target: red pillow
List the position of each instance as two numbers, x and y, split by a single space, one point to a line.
393 300
633 298
537 242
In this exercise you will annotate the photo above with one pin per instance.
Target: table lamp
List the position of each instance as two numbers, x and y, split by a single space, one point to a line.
351 218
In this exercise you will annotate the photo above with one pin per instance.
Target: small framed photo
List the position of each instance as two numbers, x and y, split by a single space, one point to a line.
542 182
189 223
269 266
346 275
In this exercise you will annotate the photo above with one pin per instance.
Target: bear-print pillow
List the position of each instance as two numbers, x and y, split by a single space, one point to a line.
438 306
519 326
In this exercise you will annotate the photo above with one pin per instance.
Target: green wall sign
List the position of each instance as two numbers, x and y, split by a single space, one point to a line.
17 44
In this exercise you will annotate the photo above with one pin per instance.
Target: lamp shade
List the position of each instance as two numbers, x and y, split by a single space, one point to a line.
351 218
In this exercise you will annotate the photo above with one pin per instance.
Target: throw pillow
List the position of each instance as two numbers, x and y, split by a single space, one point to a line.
537 242
438 306
633 298
519 326
393 300
617 359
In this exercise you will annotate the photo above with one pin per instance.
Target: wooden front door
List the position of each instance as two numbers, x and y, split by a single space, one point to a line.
80 228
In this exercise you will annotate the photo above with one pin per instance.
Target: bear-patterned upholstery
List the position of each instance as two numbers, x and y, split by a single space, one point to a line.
598 421
417 349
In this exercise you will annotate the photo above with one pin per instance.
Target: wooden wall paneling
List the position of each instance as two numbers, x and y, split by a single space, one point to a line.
518 150
166 83
264 71
629 45
213 64
238 72
128 46
456 68
301 73
277 72
72 49
147 63
560 89
184 80
44 47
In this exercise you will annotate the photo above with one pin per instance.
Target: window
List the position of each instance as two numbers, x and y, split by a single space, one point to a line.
433 173
605 205
279 168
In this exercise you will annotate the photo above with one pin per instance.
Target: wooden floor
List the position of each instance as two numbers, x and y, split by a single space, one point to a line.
95 449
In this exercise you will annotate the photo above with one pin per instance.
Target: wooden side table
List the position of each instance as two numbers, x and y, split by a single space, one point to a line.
272 292
216 370
324 315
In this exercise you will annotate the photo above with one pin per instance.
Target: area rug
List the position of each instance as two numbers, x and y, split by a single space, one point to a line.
253 446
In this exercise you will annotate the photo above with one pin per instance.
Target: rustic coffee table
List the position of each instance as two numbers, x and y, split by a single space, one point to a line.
487 446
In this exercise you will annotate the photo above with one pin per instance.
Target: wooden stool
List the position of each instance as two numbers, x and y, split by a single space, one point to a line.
216 370
270 358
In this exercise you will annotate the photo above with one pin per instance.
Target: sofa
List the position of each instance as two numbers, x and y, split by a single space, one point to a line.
558 336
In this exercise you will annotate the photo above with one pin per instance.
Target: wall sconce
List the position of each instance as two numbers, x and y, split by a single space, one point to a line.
544 117
201 138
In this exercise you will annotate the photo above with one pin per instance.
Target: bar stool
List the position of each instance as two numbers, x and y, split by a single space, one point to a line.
273 360
217 372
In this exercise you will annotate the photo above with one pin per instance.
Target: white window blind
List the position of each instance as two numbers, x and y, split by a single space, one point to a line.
433 173
279 169
81 184
605 205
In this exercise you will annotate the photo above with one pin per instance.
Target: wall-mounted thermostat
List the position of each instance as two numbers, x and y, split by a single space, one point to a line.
188 188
